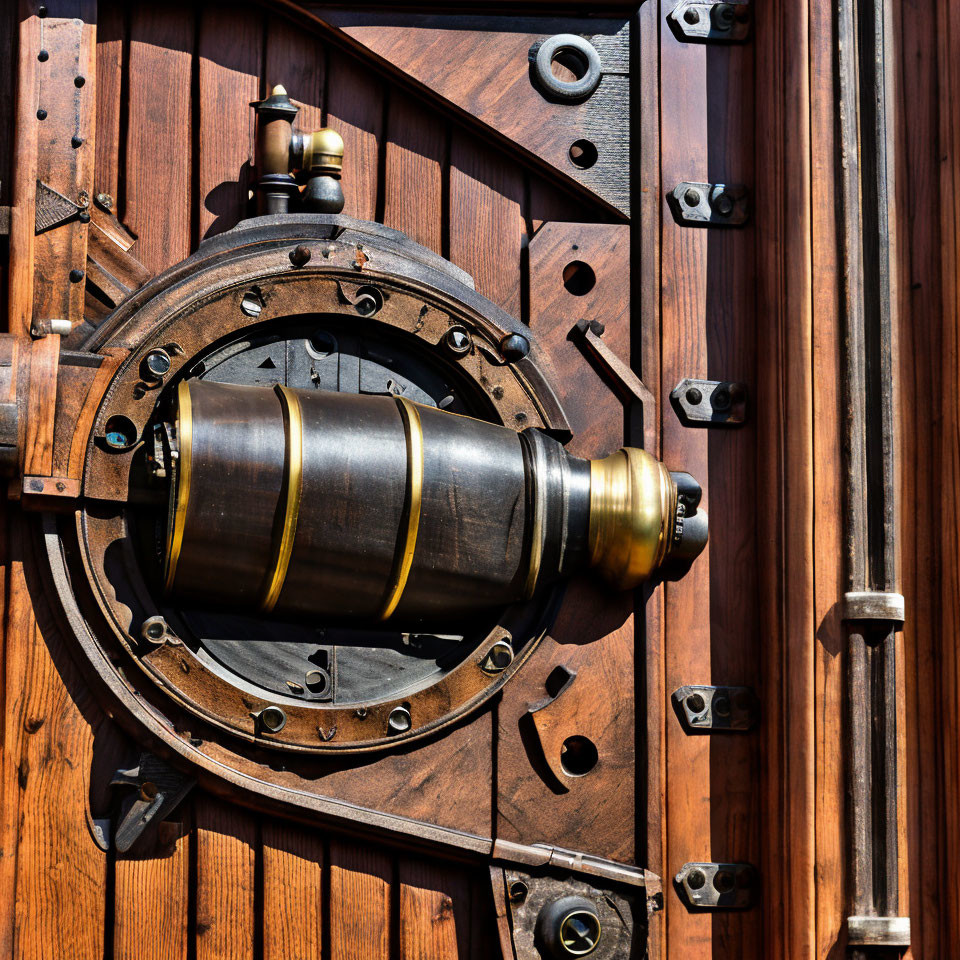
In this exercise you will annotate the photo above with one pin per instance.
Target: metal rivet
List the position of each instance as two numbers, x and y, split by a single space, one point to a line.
41 114
696 879
79 81
514 347
694 396
691 15
76 276
157 363
457 341
723 881
300 255
720 399
76 142
41 11
692 198
272 719
399 720
84 217
154 630
104 199
723 204
43 56
721 706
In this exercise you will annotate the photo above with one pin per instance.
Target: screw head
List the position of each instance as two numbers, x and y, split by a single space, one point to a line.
457 341
723 205
157 363
720 399
514 347
723 881
79 81
696 879
300 255
105 200
84 217
43 56
272 719
154 629
723 16
76 276
76 142
399 720
691 15
694 396
692 197
721 706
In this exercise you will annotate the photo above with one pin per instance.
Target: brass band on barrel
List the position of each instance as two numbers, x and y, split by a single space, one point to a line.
413 432
293 424
632 505
184 438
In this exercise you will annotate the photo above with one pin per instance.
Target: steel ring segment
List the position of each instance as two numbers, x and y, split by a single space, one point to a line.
568 89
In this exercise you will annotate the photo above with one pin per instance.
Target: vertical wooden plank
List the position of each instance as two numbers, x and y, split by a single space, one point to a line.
111 28
487 227
920 375
158 146
434 911
297 60
153 901
687 640
229 51
355 98
41 402
785 517
413 177
293 905
360 903
54 872
226 841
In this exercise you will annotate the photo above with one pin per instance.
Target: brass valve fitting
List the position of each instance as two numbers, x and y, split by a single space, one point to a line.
281 153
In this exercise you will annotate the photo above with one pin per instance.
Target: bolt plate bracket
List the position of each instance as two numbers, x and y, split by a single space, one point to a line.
710 403
874 605
705 709
709 204
716 886
716 22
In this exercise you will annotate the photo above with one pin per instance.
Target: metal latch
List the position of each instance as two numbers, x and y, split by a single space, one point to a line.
709 204
878 931
721 403
157 790
874 605
705 709
717 886
723 22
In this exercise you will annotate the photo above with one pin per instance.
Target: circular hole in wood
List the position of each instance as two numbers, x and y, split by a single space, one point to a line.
579 278
578 756
583 153
569 65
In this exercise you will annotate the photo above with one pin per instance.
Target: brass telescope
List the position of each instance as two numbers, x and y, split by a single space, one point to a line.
302 503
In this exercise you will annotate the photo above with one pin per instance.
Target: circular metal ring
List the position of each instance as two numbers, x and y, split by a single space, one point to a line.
571 90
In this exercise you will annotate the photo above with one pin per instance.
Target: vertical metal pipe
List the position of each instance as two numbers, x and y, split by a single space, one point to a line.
872 608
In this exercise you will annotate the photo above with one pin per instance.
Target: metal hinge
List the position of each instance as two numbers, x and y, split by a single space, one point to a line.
706 709
711 21
709 204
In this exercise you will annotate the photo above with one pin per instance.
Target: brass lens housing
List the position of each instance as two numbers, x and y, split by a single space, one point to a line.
633 503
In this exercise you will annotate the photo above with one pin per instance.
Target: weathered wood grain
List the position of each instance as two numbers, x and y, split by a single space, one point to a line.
229 49
111 34
157 175
360 903
293 894
41 404
434 912
227 843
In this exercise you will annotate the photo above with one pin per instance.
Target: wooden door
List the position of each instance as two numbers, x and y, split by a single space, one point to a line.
564 213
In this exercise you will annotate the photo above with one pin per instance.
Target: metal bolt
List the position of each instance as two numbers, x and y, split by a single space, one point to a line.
399 720
76 276
41 11
154 629
84 217
61 486
692 198
514 347
148 790
43 56
272 719
76 142
79 81
694 396
300 255
722 16
720 399
696 879
157 363
695 703
723 881
457 341
691 16
41 114
723 204
721 706
361 713
104 199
